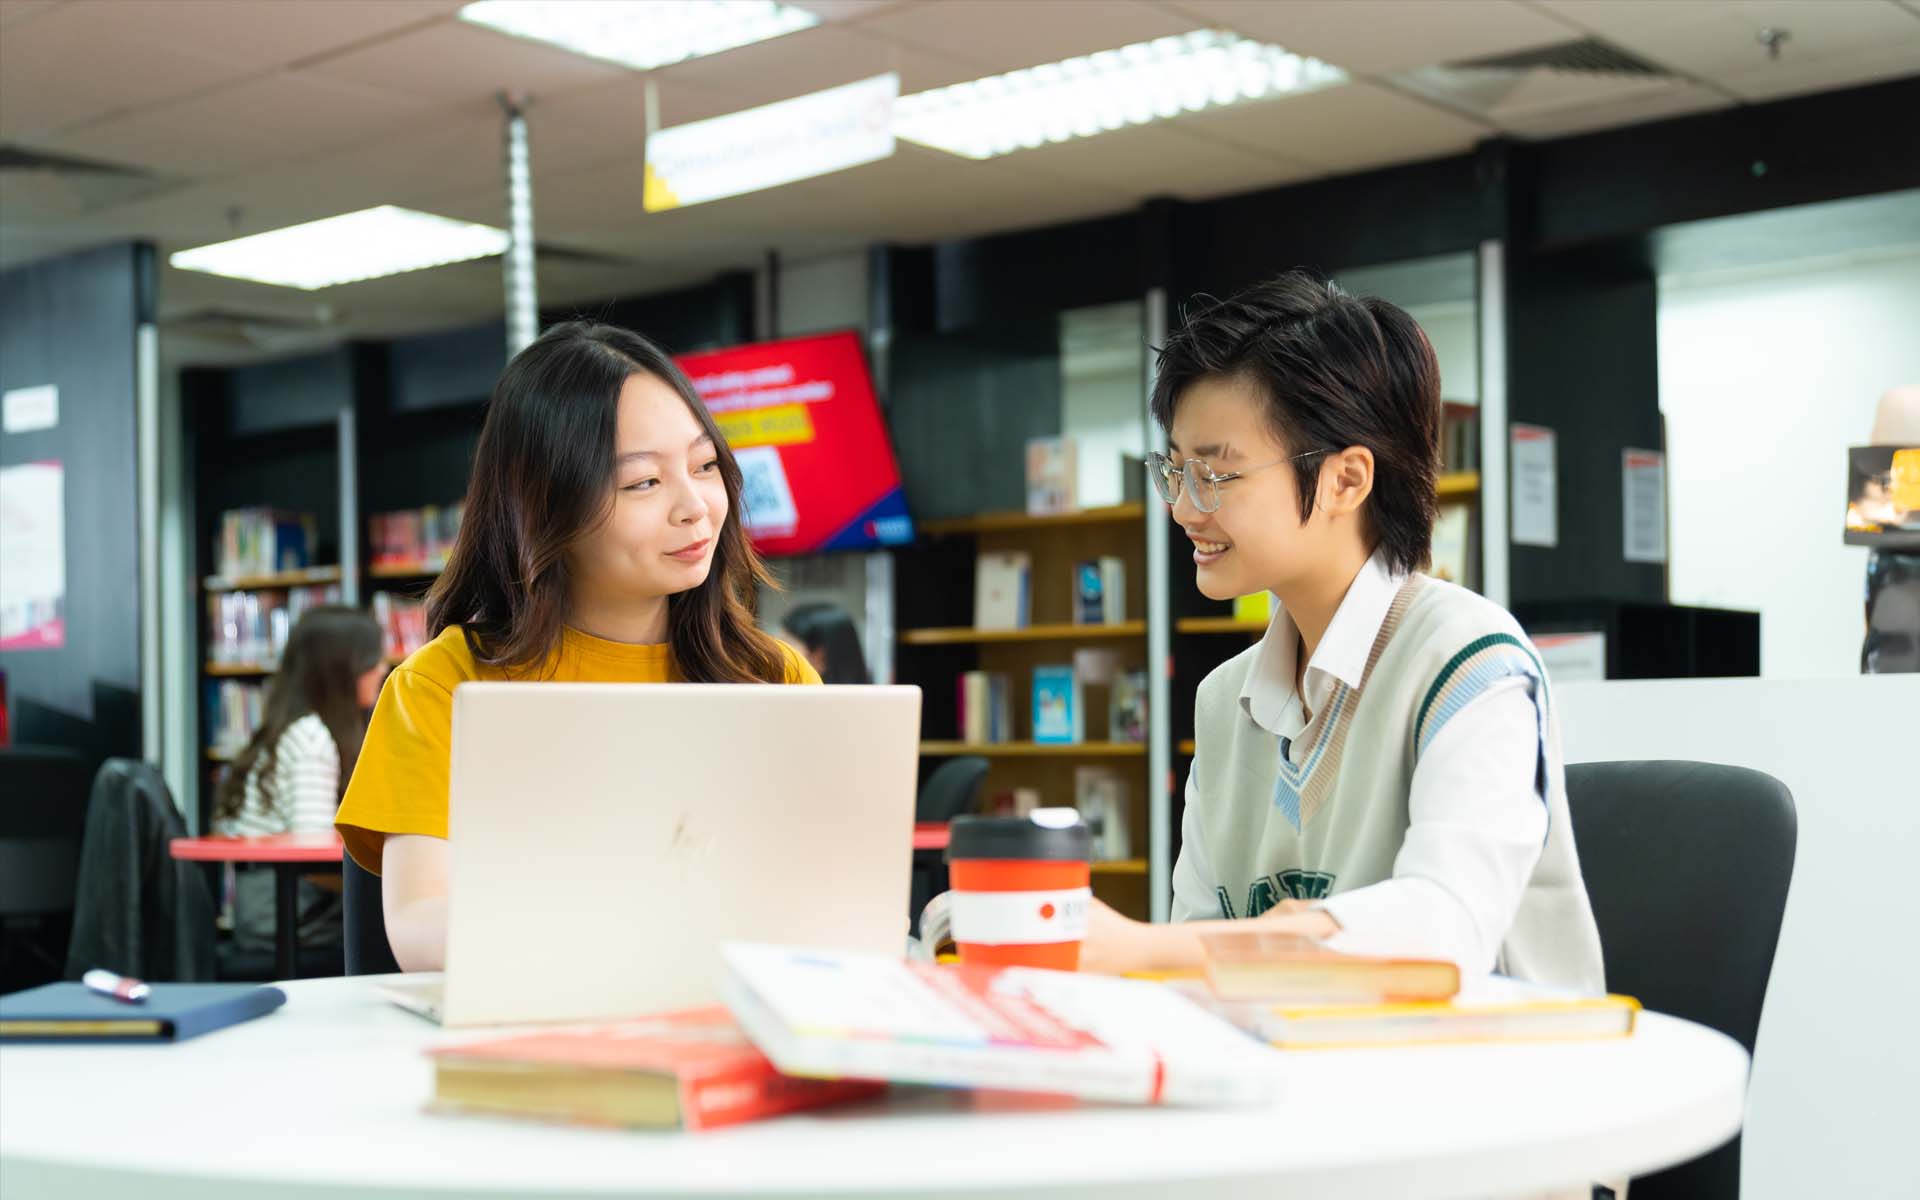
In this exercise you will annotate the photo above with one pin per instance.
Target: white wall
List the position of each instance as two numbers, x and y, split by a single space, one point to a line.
1102 373
1830 1102
1454 330
1766 377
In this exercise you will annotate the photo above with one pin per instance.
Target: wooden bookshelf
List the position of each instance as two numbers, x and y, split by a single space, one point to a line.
1034 749
411 570
308 577
1458 484
218 756
1121 866
1004 522
238 670
1219 625
961 635
1187 748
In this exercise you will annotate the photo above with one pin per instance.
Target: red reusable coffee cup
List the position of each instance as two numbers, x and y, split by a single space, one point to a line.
1021 886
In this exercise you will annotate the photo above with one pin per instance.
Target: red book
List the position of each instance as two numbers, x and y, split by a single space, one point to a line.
683 1070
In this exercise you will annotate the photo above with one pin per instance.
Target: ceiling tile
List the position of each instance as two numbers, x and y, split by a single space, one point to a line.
594 125
1347 127
278 118
61 69
1568 120
1161 160
813 60
257 36
12 12
981 31
1718 41
1378 36
456 61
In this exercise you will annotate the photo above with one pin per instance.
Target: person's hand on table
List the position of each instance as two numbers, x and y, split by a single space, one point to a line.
1116 944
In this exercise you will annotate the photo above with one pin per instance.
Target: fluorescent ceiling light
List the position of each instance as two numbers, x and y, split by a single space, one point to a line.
641 33
345 249
1099 93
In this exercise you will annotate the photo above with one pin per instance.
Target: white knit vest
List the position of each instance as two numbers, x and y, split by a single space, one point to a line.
1333 819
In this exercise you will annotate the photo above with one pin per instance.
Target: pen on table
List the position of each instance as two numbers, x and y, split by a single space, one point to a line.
123 988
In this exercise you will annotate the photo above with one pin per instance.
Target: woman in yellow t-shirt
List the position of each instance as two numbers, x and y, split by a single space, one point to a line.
601 542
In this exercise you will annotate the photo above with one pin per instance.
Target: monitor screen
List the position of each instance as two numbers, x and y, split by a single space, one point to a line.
819 472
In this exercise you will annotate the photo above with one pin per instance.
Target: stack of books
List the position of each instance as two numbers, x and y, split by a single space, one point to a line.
414 538
403 624
985 710
234 710
250 628
803 1028
263 541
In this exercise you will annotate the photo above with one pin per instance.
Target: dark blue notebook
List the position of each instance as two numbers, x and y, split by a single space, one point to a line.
68 1012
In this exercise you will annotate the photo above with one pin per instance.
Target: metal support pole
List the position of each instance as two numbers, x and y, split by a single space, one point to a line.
523 302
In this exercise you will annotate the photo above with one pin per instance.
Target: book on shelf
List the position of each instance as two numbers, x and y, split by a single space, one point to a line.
835 1015
1127 707
688 1070
420 537
986 710
263 541
403 624
1488 1008
1053 476
1100 793
1284 966
1013 802
1100 591
233 710
1059 706
1003 590
1459 436
251 627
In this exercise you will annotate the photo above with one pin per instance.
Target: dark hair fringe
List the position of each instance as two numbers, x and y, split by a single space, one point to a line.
543 475
1336 371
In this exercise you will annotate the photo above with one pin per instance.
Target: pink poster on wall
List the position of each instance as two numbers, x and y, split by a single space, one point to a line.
33 556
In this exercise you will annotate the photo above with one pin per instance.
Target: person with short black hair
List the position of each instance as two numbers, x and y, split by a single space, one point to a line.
825 633
1382 770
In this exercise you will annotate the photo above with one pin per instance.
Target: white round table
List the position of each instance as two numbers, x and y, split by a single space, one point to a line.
324 1099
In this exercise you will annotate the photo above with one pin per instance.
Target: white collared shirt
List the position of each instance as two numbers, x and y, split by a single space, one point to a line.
1476 818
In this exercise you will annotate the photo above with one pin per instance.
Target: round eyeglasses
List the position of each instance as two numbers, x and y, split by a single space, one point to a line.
1198 479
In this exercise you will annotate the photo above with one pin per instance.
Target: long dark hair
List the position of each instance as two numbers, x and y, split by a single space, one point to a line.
543 475
327 652
821 626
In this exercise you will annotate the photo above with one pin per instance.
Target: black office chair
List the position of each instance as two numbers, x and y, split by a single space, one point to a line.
365 921
953 788
43 813
1687 866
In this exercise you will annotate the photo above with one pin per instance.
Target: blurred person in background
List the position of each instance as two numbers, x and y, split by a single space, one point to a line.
826 635
290 776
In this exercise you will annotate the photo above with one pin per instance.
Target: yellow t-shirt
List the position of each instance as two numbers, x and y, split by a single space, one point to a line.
399 784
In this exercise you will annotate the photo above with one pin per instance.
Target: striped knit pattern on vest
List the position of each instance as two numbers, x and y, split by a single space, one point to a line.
1329 814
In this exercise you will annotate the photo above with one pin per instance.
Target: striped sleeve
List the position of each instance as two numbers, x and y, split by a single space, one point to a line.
307 776
1468 675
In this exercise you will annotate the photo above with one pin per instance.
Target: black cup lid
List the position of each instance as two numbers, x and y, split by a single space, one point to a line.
1050 834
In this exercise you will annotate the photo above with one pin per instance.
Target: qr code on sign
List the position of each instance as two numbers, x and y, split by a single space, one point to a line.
765 497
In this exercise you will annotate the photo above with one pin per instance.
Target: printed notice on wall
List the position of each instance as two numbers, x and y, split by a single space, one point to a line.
1536 487
30 409
33 557
1643 492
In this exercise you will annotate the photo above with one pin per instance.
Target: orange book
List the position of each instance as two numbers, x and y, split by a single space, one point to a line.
1288 967
683 1070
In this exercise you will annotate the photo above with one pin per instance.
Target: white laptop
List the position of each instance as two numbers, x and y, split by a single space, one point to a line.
606 838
